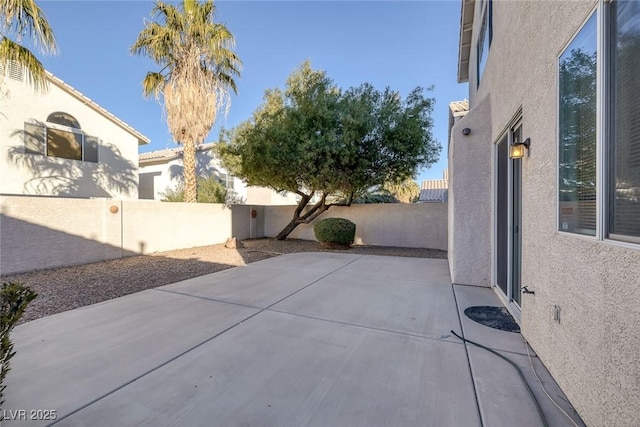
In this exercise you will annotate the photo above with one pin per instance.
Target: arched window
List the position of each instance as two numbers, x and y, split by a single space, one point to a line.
62 138
64 119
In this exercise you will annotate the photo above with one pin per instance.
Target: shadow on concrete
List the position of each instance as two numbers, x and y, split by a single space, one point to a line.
94 271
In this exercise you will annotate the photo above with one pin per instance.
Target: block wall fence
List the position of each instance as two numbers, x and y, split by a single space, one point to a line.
47 232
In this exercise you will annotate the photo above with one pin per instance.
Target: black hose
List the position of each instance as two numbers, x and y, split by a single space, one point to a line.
543 419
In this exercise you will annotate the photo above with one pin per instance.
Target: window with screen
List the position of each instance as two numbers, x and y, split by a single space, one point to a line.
624 147
577 132
599 126
62 139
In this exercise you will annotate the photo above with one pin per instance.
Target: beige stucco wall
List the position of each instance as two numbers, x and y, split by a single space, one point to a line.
470 202
422 225
47 232
244 224
593 352
115 174
266 196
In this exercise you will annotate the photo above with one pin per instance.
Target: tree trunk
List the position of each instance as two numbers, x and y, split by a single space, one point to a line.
304 200
288 229
315 211
189 172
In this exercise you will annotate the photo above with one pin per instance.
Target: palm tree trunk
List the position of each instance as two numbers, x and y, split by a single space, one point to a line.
190 181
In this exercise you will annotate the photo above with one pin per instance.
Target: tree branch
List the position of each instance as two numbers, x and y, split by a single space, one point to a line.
315 207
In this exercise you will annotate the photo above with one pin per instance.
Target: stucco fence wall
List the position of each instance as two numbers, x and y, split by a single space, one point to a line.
388 224
47 232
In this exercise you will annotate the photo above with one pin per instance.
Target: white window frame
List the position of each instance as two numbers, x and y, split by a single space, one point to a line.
602 128
48 125
485 31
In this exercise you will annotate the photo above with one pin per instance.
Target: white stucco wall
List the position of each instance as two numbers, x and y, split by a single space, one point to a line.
416 225
159 176
593 351
266 196
115 174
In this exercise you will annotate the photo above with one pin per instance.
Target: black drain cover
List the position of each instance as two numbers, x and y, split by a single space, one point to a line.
494 317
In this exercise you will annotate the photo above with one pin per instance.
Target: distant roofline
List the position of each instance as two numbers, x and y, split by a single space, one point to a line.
459 108
142 140
168 154
467 11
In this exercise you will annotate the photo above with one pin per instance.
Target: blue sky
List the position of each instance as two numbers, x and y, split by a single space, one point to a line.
397 44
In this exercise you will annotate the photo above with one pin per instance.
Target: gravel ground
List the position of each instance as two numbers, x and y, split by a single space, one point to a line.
66 288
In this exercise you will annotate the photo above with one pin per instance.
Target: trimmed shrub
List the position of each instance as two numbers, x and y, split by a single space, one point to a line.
335 232
14 299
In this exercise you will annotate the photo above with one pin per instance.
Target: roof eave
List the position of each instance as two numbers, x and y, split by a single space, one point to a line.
464 46
142 140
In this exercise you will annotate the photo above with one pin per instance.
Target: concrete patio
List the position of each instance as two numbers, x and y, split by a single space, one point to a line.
309 339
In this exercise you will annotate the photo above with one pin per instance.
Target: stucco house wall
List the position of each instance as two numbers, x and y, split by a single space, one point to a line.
114 175
162 170
593 351
469 199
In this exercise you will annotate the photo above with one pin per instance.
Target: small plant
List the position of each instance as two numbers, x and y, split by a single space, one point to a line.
335 233
14 299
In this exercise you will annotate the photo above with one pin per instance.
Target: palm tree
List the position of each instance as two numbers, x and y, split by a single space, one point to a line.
198 69
20 18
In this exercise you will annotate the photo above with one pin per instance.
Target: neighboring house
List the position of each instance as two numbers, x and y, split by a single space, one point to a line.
563 222
435 190
162 170
61 143
457 110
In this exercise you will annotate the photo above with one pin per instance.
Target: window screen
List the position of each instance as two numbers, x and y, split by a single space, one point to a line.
34 139
90 149
624 149
67 145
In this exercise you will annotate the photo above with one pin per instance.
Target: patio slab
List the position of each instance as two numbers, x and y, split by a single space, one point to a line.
424 306
264 283
69 359
497 382
469 296
282 370
301 340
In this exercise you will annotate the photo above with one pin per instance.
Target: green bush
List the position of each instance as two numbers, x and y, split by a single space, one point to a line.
14 299
335 232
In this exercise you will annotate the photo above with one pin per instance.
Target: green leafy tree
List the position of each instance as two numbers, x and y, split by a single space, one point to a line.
405 191
210 190
20 19
327 145
198 67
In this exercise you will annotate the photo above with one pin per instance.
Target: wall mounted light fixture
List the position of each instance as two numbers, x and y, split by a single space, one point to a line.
516 151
